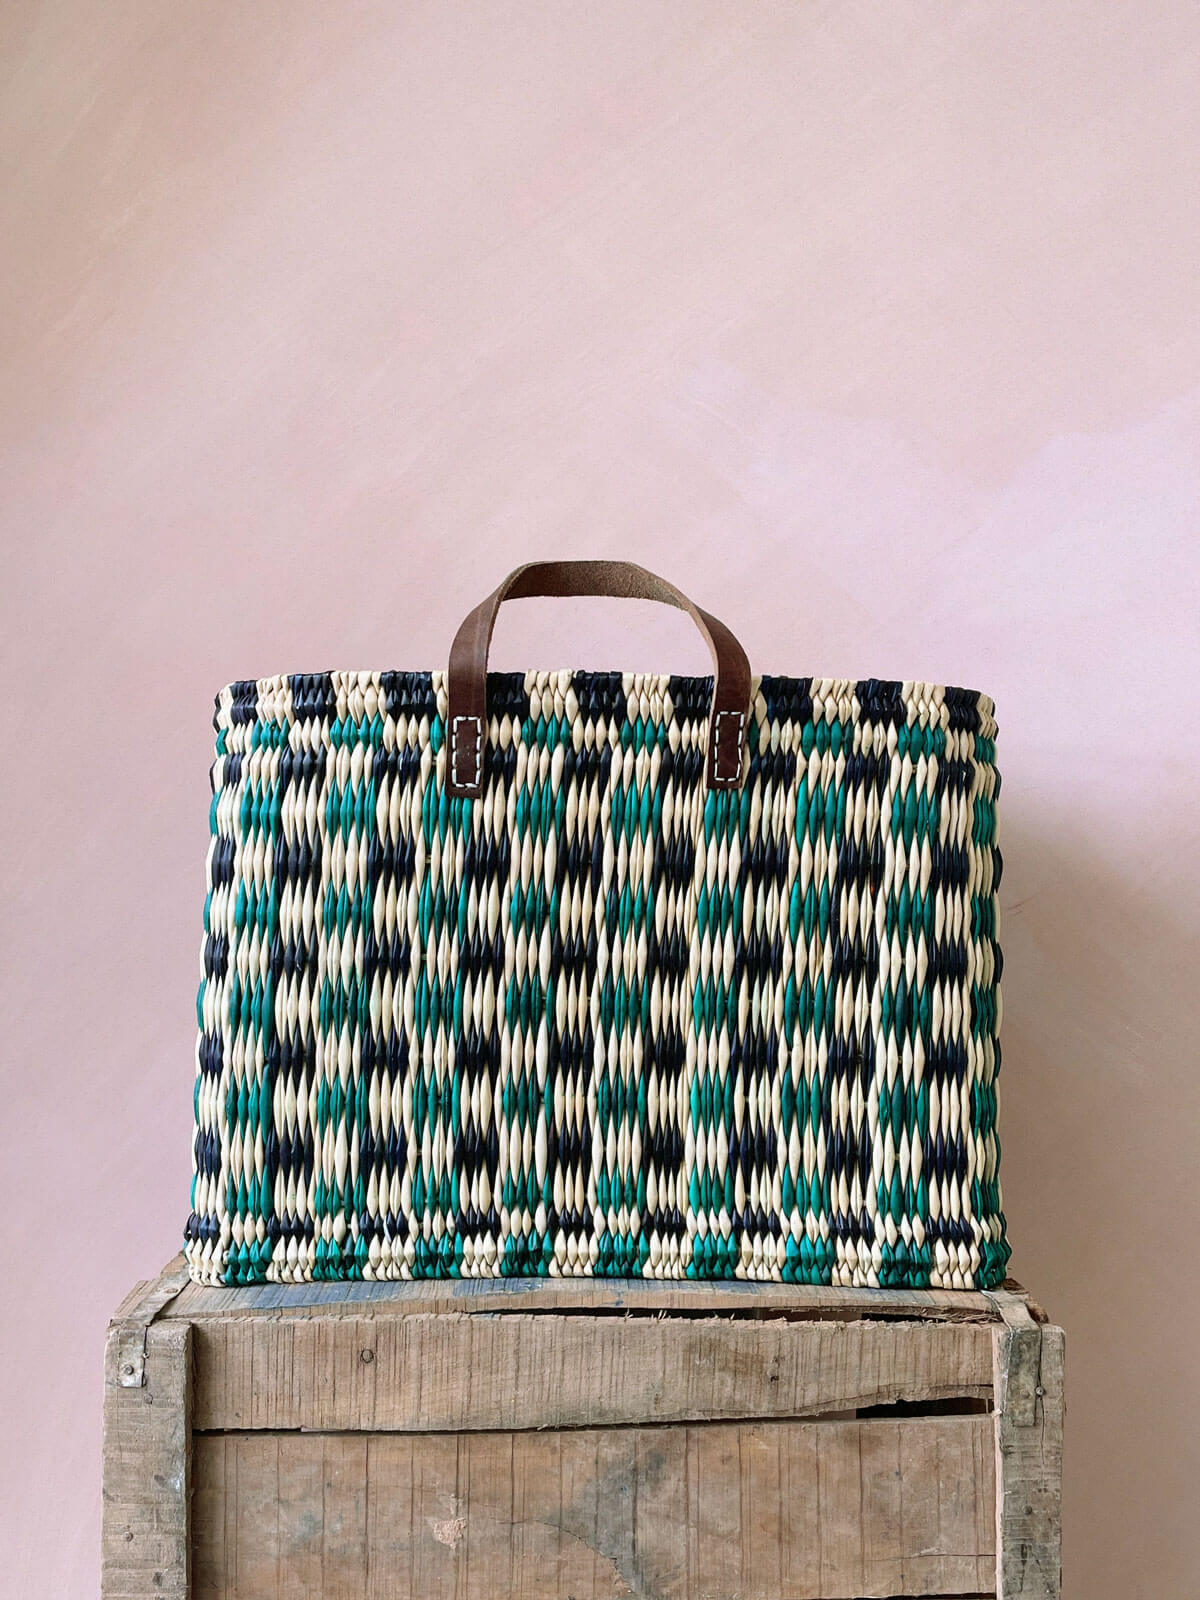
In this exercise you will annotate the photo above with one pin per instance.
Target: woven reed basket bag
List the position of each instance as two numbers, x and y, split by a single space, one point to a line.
598 973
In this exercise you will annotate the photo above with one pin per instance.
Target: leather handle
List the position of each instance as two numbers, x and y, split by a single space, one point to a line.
466 680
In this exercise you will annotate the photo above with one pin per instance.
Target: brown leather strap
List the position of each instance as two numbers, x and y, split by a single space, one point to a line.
466 681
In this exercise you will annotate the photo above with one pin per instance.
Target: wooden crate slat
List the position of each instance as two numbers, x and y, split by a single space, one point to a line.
1017 1367
562 1296
145 1533
1028 1446
762 1511
147 1300
442 1373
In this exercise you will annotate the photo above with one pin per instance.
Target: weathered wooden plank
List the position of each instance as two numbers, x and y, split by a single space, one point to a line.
301 1499
485 1562
562 1296
126 1349
1029 1462
434 1484
147 1447
763 1511
146 1299
446 1373
254 1511
800 1556
1017 1373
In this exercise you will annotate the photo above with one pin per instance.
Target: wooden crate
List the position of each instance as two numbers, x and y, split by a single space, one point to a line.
483 1440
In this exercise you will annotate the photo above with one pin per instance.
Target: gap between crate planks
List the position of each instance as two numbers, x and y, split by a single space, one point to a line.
580 1438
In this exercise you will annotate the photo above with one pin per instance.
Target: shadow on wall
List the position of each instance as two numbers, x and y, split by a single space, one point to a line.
1100 1096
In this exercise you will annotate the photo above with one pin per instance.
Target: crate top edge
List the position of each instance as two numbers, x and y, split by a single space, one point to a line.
173 1296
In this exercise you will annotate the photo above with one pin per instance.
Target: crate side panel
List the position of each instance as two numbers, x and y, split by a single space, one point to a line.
760 1511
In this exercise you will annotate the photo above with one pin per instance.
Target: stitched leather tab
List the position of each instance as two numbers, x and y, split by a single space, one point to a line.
729 743
466 751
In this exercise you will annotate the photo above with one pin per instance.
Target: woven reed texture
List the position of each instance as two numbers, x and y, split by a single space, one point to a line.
601 1020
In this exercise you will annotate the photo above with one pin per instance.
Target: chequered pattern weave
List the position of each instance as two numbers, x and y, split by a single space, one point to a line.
602 1020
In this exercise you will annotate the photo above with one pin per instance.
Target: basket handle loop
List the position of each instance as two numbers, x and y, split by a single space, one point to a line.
466 680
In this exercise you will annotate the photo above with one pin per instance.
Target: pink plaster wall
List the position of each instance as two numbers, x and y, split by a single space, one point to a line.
874 325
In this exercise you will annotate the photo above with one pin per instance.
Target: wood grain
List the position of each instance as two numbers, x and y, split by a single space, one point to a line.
568 1296
150 1299
765 1511
145 1539
1028 1440
445 1373
579 1439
